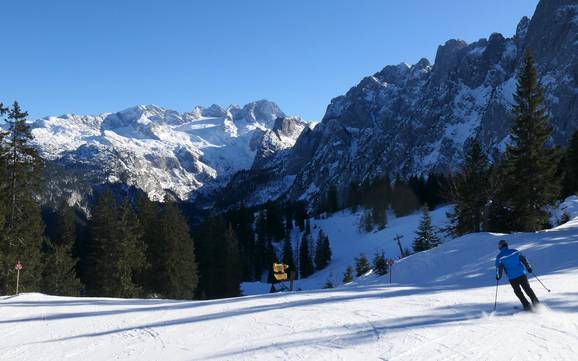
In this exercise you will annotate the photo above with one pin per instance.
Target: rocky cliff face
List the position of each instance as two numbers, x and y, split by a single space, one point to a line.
414 119
160 151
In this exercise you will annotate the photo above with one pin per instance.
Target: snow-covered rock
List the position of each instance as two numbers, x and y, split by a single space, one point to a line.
414 119
158 150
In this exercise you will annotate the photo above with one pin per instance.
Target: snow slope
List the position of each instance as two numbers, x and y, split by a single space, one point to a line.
439 308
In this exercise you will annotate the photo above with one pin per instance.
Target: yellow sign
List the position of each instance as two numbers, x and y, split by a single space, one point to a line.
280 276
279 267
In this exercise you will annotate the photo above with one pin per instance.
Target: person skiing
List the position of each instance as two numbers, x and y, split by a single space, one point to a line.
513 263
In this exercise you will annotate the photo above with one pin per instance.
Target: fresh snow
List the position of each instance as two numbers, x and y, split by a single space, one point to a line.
160 150
438 308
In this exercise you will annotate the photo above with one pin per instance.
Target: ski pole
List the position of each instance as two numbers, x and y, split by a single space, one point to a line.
496 298
547 289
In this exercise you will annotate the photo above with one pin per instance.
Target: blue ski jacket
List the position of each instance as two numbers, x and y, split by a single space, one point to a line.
511 261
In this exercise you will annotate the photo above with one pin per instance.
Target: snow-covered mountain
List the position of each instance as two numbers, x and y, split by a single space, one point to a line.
158 150
413 119
438 307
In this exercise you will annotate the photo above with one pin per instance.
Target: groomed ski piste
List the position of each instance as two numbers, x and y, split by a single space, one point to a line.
439 307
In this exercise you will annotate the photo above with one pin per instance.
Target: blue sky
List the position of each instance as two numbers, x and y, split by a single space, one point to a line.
71 56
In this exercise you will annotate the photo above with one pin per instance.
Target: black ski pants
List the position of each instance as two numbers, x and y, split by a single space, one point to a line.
522 283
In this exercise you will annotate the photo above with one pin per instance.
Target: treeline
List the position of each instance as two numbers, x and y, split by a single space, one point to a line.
129 250
242 244
375 197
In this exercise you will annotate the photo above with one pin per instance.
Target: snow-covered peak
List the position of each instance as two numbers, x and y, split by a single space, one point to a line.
156 149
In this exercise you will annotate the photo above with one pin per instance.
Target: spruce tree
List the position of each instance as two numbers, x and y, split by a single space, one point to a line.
348 275
380 265
22 228
306 268
570 181
148 214
130 255
322 251
59 274
117 253
362 265
470 190
218 259
366 221
426 237
531 179
175 263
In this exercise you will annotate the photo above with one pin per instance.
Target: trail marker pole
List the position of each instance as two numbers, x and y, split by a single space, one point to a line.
390 263
18 268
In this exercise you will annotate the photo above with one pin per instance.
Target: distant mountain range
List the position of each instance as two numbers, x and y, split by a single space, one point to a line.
162 152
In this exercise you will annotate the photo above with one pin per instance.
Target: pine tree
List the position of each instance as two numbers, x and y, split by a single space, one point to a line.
305 262
570 181
426 233
380 265
22 228
59 274
470 190
322 251
362 265
348 275
531 180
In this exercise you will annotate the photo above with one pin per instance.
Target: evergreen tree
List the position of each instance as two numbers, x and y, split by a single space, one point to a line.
362 265
218 258
307 227
288 256
570 181
322 251
380 265
331 200
531 180
470 190
366 221
175 263
22 227
59 274
379 217
348 275
129 257
426 234
148 214
300 214
328 283
305 262
116 250
288 216
403 199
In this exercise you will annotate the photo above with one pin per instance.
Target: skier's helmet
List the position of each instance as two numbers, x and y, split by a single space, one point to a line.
502 244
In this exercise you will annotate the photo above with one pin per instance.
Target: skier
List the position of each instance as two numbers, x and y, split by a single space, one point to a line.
513 262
